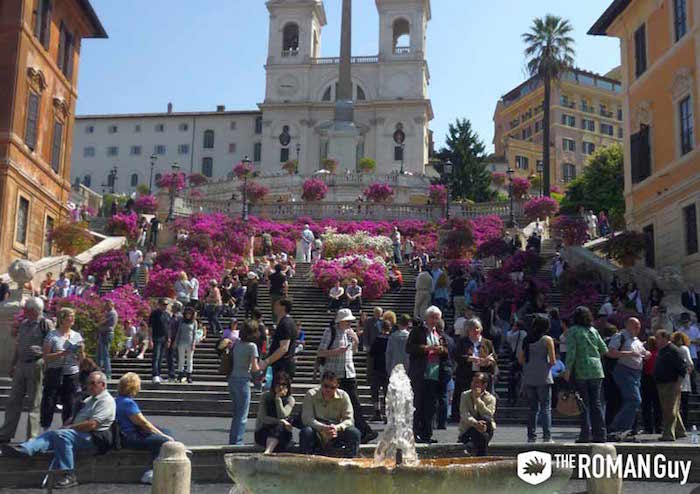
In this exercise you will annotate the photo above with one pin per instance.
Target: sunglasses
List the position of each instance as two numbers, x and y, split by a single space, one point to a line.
329 386
94 382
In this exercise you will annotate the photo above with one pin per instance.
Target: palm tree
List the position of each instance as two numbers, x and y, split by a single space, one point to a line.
549 53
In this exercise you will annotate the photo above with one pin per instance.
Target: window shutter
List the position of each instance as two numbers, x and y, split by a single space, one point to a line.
645 153
634 151
70 46
32 120
46 24
38 18
61 46
56 148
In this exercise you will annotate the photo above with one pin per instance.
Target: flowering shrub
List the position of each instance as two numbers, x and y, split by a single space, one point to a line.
197 179
455 239
330 164
438 194
339 244
485 228
126 225
540 207
494 247
242 170
256 192
146 204
115 262
71 238
627 246
130 306
586 295
555 189
367 165
498 179
371 274
522 260
457 265
195 194
161 283
572 230
379 192
174 181
290 166
521 186
314 190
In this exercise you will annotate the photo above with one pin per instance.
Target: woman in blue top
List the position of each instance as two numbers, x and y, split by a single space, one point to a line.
137 432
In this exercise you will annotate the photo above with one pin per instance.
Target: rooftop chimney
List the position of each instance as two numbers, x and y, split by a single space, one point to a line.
170 107
220 108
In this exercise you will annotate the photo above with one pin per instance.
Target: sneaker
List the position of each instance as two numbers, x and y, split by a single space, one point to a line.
531 439
157 380
69 480
147 477
139 357
189 379
12 451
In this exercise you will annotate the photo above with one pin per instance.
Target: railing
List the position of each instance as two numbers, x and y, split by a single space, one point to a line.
402 50
292 52
606 114
336 60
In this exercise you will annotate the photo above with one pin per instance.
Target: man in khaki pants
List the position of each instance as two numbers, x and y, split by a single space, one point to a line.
27 370
669 370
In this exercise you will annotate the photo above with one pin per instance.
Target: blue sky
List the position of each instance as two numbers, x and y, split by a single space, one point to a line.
201 53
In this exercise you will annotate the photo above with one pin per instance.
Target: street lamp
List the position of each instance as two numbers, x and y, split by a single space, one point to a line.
244 213
540 171
176 169
150 180
298 149
447 169
112 179
403 144
510 172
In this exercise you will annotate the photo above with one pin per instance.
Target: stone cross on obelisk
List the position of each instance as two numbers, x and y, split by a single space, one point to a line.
343 135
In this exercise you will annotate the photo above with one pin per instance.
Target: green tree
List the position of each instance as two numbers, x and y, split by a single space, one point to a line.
549 53
470 176
600 186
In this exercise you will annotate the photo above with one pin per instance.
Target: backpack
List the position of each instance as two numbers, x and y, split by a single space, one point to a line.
609 364
334 332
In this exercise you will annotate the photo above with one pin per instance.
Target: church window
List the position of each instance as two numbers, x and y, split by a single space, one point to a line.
208 139
284 155
290 40
402 37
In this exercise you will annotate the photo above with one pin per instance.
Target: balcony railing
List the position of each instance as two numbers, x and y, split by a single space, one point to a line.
291 52
402 50
336 60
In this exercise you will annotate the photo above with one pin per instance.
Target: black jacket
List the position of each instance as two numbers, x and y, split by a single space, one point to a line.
669 366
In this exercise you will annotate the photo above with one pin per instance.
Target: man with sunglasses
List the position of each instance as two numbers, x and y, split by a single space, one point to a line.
90 430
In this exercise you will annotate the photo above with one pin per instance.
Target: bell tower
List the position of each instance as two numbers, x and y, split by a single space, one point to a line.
402 28
295 30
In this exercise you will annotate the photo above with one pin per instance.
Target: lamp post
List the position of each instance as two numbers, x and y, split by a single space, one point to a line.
298 149
150 180
112 179
244 213
511 220
540 172
176 169
447 169
403 144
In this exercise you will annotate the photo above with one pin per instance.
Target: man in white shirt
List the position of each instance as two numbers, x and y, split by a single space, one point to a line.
135 259
307 241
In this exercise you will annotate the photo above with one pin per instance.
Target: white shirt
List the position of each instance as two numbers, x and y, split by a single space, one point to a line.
630 344
195 288
693 333
460 329
606 309
135 257
307 236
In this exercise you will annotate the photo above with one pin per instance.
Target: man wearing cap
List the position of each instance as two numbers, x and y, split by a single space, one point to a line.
337 346
693 333
307 241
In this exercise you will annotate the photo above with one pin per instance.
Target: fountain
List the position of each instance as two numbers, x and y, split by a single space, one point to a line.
394 469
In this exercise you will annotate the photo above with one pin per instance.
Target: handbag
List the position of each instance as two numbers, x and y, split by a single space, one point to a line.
569 403
226 362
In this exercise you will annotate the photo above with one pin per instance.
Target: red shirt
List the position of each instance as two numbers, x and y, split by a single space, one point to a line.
649 363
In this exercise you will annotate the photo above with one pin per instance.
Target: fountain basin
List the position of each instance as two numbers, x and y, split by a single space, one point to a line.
301 474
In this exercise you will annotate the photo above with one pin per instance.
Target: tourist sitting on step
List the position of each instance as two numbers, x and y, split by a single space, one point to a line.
89 430
354 295
328 420
137 432
395 278
273 427
477 408
336 297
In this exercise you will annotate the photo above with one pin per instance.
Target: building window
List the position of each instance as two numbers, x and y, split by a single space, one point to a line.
527 133
57 146
569 145
207 167
159 149
619 113
48 244
233 125
398 153
569 120
620 133
136 150
184 127
522 163
183 149
679 18
588 147
690 222
87 180
284 155
607 129
89 129
640 151
258 125
232 147
640 50
112 129
113 151
66 46
569 172
402 37
134 179
588 125
327 94
686 114
650 251
22 221
42 23
88 152
30 132
137 128
160 127
290 40
257 152
209 139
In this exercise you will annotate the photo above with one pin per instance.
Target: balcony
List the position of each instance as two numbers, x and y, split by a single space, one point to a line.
291 52
606 114
336 60
402 50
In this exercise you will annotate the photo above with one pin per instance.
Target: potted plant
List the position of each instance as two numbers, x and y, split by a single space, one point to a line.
498 179
540 208
242 170
330 164
438 194
572 230
197 179
256 192
379 193
367 165
521 186
627 247
290 166
314 190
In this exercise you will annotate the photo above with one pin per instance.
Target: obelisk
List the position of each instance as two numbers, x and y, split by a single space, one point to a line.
344 135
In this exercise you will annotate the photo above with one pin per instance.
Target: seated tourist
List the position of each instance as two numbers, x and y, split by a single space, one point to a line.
477 408
140 342
335 296
328 419
137 432
395 278
90 430
273 428
354 295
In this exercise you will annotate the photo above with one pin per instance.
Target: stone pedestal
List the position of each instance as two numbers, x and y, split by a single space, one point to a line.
172 471
611 485
342 145
8 311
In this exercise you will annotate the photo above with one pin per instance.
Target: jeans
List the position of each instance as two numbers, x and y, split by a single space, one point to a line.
146 442
104 343
592 419
28 380
239 389
651 407
479 440
539 400
274 431
628 380
349 440
443 402
157 356
397 254
171 358
213 318
185 353
63 442
55 384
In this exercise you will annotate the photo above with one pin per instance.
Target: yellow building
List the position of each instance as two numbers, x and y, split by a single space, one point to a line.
586 114
660 46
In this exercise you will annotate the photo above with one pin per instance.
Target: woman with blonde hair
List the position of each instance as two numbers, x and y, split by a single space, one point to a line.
390 316
183 289
136 430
